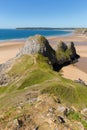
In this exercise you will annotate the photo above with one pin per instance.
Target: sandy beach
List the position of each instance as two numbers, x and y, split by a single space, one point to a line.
73 37
9 50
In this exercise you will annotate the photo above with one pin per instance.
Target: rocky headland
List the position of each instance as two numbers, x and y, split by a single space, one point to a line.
62 56
34 95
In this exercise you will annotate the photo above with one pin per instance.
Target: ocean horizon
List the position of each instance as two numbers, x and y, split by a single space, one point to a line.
19 34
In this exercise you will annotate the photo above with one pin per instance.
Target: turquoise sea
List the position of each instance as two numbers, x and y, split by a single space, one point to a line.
13 34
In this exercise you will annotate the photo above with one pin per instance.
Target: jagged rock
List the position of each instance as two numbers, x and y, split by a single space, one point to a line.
61 45
20 123
4 79
38 44
71 48
61 119
66 54
62 55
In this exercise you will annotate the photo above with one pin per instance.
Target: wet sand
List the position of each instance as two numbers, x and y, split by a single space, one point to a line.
82 64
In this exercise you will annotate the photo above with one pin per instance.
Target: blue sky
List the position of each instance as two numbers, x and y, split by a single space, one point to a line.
43 13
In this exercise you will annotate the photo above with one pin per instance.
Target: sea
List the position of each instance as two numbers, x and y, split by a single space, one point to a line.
15 34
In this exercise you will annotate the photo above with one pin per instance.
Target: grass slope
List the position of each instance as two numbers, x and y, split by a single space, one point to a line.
31 73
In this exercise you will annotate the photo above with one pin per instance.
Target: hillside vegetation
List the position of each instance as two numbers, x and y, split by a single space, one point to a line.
39 98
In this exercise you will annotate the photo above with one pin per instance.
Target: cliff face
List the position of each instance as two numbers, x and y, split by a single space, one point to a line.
38 44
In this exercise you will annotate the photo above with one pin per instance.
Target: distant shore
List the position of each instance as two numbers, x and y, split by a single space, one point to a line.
9 49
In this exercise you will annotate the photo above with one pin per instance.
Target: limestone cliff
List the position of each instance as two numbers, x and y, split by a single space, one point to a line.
38 44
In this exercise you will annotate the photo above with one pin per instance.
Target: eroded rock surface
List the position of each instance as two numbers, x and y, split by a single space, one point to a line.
38 44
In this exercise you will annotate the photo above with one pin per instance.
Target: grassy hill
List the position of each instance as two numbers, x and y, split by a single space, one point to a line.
37 97
33 74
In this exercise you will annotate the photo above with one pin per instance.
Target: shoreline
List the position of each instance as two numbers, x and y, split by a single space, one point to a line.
77 38
13 40
70 33
9 49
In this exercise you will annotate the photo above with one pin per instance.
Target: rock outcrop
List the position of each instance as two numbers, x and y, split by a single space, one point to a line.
63 55
61 46
73 54
38 44
66 54
44 114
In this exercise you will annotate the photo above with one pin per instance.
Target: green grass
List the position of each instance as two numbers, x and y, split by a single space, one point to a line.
36 77
26 72
64 55
72 115
35 71
43 63
21 65
3 89
69 92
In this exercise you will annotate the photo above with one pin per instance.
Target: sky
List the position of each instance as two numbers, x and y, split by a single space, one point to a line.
43 13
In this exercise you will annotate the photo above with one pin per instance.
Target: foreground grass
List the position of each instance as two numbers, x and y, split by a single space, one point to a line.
72 115
69 92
